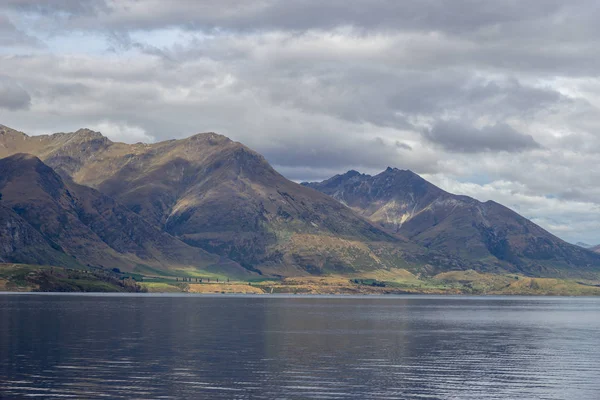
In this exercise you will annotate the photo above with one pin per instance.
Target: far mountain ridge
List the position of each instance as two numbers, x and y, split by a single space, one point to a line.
584 245
403 202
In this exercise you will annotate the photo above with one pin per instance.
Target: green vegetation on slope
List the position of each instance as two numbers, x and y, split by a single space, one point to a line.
23 277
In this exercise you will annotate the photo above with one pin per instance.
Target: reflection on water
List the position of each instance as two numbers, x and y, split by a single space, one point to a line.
238 347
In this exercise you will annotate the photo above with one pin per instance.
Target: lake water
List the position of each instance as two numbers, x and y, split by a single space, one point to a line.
271 347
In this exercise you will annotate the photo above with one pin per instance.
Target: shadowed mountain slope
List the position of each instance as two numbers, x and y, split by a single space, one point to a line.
485 233
22 243
83 226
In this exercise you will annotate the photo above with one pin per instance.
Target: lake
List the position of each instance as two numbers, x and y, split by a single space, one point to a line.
292 347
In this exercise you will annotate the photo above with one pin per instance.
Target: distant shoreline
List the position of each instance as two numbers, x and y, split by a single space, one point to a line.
299 296
28 278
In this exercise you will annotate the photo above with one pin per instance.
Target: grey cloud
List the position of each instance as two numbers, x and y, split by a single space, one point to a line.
459 137
12 95
353 87
404 146
11 36
373 153
463 15
60 7
550 37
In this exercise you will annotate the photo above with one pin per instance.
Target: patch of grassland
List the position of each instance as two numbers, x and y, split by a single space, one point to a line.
473 282
197 273
225 288
550 287
147 270
15 276
163 287
510 284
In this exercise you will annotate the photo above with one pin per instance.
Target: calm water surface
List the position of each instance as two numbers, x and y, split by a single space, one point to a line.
240 347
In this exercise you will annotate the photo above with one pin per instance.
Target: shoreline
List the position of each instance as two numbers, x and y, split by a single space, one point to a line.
304 296
24 278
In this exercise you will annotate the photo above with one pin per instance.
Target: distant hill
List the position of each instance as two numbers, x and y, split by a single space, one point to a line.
488 234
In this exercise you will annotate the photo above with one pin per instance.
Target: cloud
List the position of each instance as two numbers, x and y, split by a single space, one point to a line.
11 36
456 136
481 93
122 133
57 7
464 15
12 95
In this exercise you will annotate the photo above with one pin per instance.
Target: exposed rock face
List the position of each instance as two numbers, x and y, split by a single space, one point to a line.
487 233
81 225
21 243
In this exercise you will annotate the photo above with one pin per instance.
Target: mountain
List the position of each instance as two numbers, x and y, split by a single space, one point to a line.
47 219
225 202
22 243
595 249
584 245
488 235
218 195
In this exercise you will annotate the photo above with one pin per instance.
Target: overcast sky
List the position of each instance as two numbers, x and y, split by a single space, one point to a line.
493 99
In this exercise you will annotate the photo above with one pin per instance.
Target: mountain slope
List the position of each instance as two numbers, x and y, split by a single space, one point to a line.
85 225
22 243
218 195
596 249
485 233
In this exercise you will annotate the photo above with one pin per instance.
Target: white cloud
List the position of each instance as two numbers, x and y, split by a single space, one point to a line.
122 133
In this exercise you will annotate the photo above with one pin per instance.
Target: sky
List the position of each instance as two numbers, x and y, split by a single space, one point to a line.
498 100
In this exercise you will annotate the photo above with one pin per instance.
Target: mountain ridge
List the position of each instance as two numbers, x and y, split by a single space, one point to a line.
402 201
86 225
222 197
219 195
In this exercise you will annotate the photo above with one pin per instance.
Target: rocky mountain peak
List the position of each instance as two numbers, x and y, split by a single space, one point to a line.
352 173
21 164
83 135
25 158
7 131
88 133
211 138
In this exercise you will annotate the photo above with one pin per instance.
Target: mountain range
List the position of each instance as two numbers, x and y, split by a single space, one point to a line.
487 234
207 203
